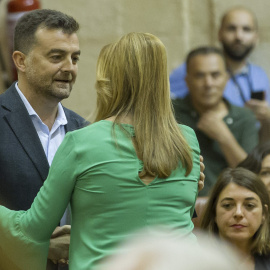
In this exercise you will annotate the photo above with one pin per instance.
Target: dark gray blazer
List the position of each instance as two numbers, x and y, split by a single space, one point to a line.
23 163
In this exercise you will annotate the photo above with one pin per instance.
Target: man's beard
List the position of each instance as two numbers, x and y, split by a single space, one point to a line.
237 55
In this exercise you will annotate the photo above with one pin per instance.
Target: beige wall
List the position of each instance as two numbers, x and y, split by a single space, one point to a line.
180 24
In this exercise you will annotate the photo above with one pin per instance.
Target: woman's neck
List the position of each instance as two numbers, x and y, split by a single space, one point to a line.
248 258
126 119
242 246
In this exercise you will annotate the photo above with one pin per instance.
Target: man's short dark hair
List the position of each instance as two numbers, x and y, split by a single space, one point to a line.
204 50
28 24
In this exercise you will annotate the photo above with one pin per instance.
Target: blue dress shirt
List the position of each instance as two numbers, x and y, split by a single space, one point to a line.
50 139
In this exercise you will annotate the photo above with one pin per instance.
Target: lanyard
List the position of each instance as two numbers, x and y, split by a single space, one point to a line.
241 92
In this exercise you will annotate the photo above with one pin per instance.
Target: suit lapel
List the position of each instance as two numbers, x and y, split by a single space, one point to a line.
72 123
23 128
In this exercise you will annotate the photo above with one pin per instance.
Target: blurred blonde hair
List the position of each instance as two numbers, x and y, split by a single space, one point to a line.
132 79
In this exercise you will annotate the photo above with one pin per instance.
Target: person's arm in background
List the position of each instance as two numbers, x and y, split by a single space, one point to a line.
234 151
261 108
216 129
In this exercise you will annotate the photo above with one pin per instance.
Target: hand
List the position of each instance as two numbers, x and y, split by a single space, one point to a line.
61 231
59 245
202 176
260 108
213 126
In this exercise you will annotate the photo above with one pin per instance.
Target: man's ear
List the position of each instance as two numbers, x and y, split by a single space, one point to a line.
19 60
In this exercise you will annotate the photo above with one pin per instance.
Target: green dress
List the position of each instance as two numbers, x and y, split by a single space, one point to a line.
98 174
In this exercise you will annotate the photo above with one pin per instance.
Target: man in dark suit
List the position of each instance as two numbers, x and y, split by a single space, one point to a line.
33 122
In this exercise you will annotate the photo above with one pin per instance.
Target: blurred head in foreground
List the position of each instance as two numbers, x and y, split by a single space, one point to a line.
162 251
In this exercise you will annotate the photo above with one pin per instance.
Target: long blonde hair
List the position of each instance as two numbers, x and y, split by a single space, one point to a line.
132 79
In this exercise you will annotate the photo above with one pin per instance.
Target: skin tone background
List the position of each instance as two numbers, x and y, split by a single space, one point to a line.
180 24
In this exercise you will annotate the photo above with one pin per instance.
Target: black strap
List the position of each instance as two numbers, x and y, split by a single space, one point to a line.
247 75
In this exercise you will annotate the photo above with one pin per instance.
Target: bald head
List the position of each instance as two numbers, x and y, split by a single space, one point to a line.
238 33
235 11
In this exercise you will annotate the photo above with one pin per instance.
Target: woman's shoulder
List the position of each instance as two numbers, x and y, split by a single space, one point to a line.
95 133
101 131
190 136
187 131
186 128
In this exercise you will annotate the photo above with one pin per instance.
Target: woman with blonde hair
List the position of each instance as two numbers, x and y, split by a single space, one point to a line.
134 168
238 212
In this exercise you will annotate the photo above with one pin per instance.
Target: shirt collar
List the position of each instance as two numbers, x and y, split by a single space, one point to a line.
60 118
